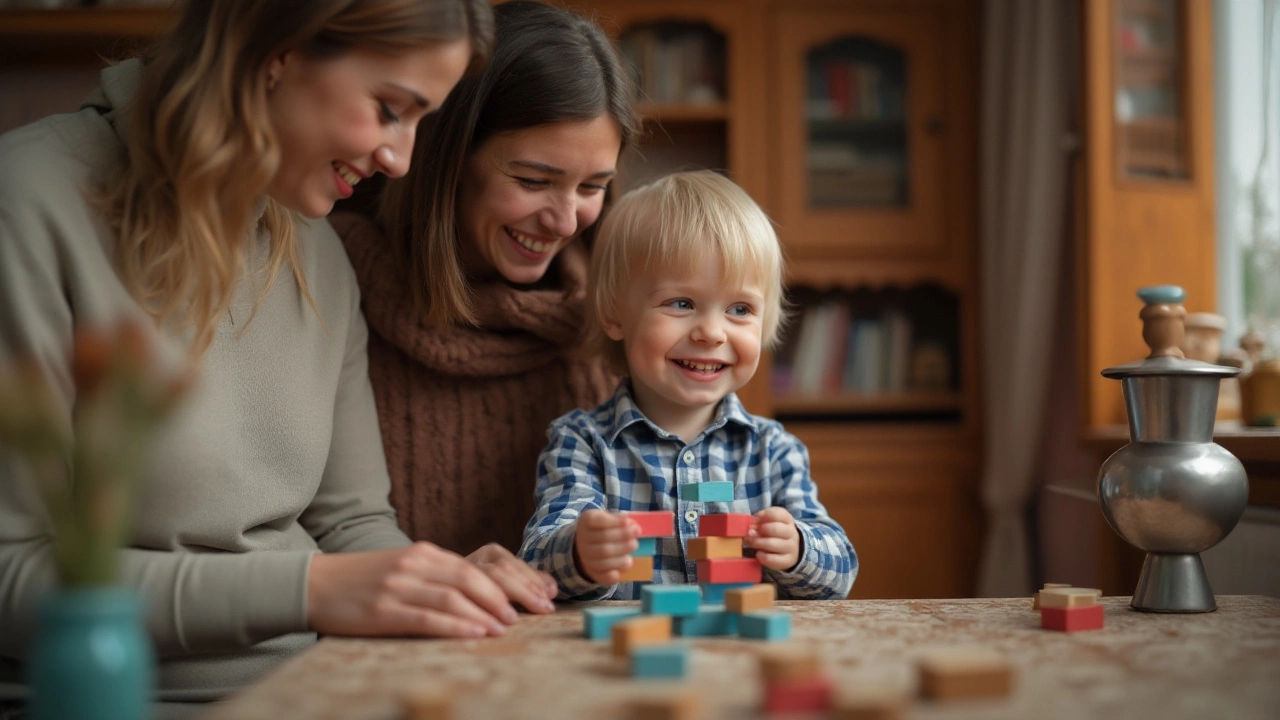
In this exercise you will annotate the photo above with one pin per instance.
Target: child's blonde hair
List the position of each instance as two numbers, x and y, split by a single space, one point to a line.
674 223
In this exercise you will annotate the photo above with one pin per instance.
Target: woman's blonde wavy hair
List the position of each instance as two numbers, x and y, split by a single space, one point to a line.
201 149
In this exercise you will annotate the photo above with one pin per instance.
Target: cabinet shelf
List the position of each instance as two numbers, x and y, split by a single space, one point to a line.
683 112
76 36
853 403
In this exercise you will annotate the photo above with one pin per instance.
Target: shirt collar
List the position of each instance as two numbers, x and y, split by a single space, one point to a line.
626 413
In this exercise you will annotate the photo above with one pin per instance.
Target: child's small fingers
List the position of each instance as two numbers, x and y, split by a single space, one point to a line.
770 545
777 529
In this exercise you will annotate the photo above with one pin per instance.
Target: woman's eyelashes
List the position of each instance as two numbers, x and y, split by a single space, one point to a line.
388 115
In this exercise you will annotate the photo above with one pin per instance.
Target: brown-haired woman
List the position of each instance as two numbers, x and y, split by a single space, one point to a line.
174 194
473 277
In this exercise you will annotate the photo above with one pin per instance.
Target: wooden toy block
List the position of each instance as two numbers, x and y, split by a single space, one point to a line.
869 704
717 491
711 621
812 695
1072 619
710 548
750 599
654 523
765 625
660 661
641 570
789 665
683 705
597 621
640 630
646 547
676 600
724 525
428 704
1069 597
729 570
963 674
1035 599
713 593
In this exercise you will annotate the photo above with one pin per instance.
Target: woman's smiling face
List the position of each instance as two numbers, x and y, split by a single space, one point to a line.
528 193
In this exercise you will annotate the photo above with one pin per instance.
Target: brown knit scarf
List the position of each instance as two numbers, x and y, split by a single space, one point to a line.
464 410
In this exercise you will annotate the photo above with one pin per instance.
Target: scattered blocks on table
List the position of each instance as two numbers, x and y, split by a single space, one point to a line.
640 630
654 523
641 570
765 625
717 491
713 593
1072 619
869 704
598 621
729 570
1069 597
428 704
964 673
789 665
724 525
645 547
677 600
755 597
812 695
660 661
710 548
711 621
682 705
1035 599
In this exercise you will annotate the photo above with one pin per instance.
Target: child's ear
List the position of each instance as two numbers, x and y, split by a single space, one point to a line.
612 328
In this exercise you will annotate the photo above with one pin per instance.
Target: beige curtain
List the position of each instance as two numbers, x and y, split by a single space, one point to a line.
1025 118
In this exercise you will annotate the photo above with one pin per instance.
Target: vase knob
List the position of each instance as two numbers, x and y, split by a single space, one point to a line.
1162 319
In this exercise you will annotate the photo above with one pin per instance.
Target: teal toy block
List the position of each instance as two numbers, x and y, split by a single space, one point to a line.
765 625
719 491
711 621
598 621
674 600
660 661
648 546
713 593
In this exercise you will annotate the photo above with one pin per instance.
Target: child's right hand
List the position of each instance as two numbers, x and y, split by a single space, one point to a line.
602 545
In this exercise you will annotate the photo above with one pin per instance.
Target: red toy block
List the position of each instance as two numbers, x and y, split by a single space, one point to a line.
729 570
1071 619
655 523
812 695
724 525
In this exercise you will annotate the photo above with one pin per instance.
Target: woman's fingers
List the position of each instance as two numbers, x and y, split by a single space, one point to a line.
446 568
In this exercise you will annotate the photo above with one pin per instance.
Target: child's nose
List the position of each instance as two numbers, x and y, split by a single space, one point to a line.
709 330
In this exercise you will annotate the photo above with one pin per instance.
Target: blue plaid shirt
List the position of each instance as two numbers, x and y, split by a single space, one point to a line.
613 458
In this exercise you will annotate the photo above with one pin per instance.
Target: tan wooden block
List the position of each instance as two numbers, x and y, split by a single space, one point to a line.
750 599
785 665
711 548
428 704
869 704
641 570
964 673
1069 597
1035 600
643 630
685 705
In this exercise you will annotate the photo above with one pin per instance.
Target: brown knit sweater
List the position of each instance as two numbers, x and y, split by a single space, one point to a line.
464 411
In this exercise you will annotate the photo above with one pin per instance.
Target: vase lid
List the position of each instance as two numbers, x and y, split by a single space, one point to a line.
1163 327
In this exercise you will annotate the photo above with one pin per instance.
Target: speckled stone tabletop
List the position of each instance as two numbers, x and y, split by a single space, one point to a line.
1224 664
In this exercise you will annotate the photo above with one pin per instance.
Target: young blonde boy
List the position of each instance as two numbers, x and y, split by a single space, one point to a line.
685 289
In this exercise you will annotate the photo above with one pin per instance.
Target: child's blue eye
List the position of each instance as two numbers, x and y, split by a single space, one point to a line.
740 310
681 304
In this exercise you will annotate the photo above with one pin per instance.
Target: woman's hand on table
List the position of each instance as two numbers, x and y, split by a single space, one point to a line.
416 590
533 589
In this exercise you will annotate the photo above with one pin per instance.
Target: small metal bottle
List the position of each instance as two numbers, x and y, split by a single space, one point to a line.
1171 491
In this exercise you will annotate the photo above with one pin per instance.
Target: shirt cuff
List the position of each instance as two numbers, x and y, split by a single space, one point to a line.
573 584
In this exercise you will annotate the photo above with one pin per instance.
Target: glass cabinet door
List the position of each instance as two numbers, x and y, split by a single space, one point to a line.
860 149
1150 103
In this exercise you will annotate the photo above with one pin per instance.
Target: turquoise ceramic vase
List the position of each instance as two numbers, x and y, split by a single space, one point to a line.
91 658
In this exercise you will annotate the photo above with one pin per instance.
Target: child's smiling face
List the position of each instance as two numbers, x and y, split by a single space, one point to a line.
690 340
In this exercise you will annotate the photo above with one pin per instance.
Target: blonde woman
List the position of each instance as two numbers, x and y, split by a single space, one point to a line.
188 190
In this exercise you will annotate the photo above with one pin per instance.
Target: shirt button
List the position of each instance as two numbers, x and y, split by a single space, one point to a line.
688 456
690 515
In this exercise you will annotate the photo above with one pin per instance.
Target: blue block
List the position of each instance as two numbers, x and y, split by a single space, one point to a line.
648 546
711 621
719 491
597 621
765 625
675 600
713 593
659 661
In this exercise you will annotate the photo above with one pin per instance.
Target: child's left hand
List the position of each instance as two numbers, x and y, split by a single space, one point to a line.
774 536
